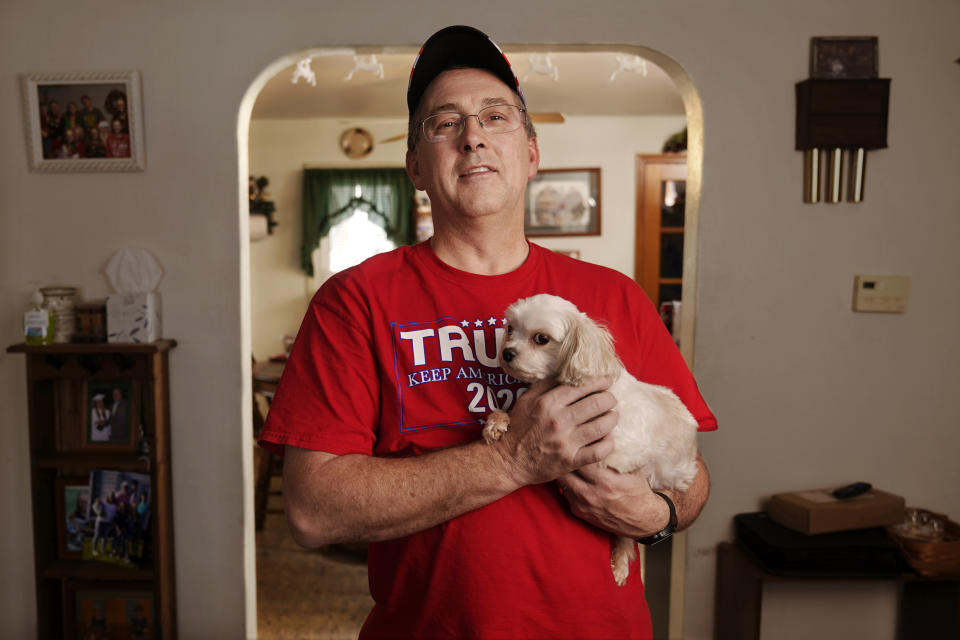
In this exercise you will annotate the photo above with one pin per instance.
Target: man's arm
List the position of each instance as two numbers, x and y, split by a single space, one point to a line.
359 498
623 503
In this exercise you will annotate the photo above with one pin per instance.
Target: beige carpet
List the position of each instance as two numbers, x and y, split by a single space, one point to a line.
303 594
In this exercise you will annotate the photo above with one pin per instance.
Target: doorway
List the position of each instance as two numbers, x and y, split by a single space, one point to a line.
279 290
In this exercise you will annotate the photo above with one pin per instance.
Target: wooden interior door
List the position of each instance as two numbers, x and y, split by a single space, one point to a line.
661 198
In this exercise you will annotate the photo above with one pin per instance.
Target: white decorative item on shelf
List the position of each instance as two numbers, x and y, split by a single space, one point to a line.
133 312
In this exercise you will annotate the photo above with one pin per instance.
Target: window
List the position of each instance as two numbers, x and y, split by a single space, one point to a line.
355 239
332 198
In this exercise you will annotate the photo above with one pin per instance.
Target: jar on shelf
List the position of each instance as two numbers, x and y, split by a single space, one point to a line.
60 302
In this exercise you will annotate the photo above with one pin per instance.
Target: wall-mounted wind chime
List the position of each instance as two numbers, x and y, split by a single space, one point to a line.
841 114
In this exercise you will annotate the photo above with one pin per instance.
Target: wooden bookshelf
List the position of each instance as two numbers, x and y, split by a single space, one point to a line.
60 381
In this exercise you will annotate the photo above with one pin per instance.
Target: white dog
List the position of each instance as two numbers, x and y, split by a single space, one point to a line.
656 435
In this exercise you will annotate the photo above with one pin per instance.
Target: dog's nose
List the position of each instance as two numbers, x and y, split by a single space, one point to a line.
509 354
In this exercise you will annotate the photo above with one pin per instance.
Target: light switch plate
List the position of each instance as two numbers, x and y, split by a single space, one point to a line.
881 294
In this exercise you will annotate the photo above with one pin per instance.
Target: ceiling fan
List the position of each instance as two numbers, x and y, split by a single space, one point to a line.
547 117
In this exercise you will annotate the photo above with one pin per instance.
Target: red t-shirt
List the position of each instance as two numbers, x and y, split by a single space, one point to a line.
397 357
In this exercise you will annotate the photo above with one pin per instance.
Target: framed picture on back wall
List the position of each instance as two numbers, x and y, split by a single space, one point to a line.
83 121
563 202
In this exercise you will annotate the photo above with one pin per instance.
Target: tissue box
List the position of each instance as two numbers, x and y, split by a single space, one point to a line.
817 511
133 317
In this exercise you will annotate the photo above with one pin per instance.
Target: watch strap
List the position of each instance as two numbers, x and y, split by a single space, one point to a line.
668 530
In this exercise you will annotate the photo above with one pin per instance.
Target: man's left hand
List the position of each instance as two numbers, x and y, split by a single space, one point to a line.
621 503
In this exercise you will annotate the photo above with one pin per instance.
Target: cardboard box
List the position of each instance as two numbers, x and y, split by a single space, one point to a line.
133 317
817 511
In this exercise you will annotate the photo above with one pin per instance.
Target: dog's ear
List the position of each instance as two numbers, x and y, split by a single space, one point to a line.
587 351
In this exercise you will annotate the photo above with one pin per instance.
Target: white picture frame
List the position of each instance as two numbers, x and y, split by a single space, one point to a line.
106 97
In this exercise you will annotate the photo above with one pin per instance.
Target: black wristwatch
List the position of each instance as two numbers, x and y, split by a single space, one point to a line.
668 530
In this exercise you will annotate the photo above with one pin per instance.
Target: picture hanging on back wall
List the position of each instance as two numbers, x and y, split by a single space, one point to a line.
563 202
83 121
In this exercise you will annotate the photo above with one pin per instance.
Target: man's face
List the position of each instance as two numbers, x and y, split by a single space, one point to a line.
476 173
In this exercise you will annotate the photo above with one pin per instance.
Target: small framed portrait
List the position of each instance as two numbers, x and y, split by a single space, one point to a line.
73 507
108 416
563 202
111 611
83 121
844 57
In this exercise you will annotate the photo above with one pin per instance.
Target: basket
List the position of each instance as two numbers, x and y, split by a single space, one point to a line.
929 554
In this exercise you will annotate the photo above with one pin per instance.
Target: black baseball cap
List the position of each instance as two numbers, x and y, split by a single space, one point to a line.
458 46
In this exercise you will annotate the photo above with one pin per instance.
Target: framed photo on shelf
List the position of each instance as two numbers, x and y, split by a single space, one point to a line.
844 57
111 610
73 507
83 121
109 416
120 512
563 202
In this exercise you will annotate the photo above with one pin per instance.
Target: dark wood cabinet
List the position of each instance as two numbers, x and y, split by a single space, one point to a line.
927 607
64 384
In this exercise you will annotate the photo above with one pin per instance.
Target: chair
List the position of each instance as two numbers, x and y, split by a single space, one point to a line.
265 464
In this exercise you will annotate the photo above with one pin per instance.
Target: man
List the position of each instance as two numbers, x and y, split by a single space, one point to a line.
90 116
381 405
119 416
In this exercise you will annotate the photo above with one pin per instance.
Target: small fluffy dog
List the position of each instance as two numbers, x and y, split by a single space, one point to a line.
656 435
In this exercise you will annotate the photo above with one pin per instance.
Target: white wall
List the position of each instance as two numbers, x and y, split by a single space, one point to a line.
807 392
280 291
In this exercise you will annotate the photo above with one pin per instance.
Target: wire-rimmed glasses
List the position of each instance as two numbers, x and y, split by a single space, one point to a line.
497 118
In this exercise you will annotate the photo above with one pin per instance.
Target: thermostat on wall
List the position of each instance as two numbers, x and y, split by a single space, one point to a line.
882 294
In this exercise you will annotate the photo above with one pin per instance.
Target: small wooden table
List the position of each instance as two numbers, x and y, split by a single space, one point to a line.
266 376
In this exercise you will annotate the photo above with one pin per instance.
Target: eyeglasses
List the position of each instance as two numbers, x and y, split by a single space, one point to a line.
497 118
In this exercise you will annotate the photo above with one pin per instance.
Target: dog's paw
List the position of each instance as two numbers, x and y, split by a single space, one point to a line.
497 423
620 573
623 552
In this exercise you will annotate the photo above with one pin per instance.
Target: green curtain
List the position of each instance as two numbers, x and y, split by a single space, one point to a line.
330 195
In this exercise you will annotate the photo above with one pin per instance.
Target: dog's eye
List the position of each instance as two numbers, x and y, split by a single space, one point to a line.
540 339
509 329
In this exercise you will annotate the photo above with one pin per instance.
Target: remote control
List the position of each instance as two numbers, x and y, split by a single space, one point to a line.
852 490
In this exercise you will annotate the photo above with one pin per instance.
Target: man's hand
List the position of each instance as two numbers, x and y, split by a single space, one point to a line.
623 503
555 429
620 503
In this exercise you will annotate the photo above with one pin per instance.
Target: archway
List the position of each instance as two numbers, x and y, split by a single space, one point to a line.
321 58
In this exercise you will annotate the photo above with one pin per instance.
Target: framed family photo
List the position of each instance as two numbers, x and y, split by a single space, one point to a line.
120 515
108 416
111 611
83 121
563 202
